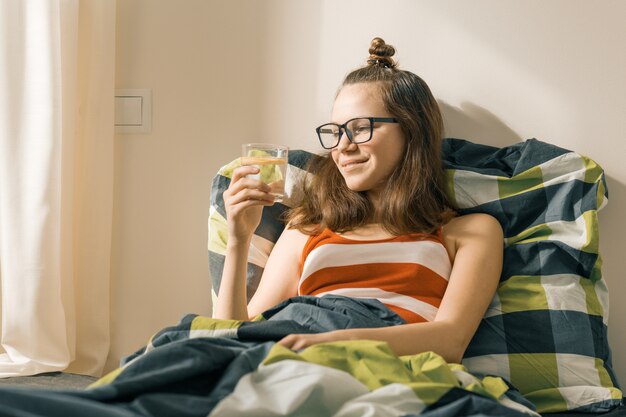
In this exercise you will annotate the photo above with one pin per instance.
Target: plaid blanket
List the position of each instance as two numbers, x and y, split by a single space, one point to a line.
205 366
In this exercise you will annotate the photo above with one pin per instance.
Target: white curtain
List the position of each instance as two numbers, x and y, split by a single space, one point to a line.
57 75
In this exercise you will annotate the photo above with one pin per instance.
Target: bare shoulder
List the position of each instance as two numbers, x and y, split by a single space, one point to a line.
287 252
294 234
472 223
291 240
471 229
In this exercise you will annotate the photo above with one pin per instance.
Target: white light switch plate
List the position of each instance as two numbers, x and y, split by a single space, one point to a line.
133 111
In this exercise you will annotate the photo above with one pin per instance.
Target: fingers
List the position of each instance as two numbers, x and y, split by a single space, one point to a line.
246 216
243 171
289 341
297 341
244 200
250 194
245 189
240 181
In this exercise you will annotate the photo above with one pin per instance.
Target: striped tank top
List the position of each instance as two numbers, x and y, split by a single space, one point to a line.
408 273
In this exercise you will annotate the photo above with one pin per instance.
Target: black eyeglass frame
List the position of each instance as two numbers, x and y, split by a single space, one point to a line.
344 127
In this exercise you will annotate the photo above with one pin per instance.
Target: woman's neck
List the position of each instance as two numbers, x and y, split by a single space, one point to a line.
374 197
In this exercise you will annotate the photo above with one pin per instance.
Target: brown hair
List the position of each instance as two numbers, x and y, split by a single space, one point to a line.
414 198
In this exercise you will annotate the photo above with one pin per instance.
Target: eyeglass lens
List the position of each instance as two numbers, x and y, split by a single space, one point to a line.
358 131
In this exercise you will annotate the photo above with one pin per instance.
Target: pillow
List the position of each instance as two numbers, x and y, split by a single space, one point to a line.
546 329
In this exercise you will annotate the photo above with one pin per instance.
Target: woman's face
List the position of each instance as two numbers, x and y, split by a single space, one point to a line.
366 166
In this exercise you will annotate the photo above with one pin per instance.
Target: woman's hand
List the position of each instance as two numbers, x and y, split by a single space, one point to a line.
301 341
244 200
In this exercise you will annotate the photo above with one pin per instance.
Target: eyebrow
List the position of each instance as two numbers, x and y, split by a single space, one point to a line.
351 118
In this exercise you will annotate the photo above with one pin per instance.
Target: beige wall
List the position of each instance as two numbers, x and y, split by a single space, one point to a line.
227 72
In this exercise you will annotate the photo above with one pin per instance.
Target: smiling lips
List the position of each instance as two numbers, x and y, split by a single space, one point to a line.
350 164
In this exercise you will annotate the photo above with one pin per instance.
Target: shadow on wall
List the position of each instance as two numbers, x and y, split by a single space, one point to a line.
476 124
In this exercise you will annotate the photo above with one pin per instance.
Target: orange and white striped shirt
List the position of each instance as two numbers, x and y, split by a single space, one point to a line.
409 273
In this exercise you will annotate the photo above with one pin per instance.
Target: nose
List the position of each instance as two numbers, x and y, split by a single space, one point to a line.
345 144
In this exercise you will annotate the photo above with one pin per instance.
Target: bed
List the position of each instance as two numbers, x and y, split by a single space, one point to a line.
541 348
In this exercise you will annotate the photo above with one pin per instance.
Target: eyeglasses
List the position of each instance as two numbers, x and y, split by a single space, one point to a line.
358 130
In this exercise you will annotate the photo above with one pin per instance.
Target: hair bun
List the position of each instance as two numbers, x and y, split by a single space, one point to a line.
381 54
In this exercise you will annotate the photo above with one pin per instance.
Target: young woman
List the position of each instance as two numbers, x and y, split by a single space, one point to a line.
375 223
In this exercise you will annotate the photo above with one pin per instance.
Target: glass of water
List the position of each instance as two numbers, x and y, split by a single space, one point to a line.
271 160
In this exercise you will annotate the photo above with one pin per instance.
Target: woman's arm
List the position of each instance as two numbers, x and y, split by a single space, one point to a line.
281 274
475 274
278 282
244 200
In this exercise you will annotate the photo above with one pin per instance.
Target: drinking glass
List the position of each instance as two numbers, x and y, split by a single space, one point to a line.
271 160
